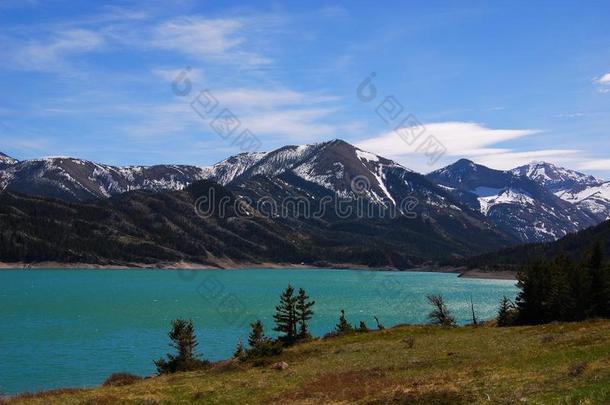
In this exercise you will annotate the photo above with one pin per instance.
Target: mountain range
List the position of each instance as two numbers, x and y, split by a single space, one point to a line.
461 210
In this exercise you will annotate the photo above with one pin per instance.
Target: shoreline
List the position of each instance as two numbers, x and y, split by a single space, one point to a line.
462 272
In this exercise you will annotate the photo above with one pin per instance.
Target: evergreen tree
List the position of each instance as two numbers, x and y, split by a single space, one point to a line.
562 291
363 327
533 282
505 313
184 341
257 335
261 345
304 313
343 326
598 293
560 304
240 351
285 316
603 298
440 315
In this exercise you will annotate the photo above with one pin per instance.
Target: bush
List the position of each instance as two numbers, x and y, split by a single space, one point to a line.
267 348
121 379
440 315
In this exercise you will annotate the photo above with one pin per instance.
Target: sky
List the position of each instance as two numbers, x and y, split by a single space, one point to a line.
502 83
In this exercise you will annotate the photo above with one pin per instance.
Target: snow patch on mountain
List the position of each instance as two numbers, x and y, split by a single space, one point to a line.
367 156
555 178
507 196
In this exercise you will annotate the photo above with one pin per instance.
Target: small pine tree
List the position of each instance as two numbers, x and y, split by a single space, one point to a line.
257 335
440 315
240 351
343 326
261 345
304 313
363 327
184 341
285 316
505 313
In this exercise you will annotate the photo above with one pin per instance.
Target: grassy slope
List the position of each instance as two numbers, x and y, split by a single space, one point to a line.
461 365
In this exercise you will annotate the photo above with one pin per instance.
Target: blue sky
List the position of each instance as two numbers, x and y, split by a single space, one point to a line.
502 83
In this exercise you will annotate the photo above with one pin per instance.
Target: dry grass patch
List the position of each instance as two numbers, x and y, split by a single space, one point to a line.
341 386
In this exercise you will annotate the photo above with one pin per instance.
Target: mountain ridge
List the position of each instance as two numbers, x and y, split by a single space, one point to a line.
533 203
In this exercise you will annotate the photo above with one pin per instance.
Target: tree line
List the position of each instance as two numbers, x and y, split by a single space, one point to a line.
560 290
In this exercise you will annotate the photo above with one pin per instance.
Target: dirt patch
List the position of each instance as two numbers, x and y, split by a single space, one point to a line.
341 386
444 397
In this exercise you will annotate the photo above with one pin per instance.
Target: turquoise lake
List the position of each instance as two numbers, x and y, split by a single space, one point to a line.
73 328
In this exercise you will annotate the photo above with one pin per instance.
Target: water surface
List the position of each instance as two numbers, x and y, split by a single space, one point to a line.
73 328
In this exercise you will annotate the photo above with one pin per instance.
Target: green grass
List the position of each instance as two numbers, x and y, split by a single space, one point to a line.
551 364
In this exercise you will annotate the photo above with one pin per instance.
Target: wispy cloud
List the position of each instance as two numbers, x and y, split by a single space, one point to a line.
203 38
51 55
265 98
460 139
169 75
231 40
464 139
286 114
595 164
605 79
603 82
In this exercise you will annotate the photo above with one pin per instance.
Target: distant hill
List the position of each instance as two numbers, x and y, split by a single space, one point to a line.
161 228
575 245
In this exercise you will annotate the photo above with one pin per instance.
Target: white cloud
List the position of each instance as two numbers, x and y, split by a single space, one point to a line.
297 125
222 39
595 164
459 138
265 98
466 140
292 116
50 55
604 83
195 75
605 79
509 159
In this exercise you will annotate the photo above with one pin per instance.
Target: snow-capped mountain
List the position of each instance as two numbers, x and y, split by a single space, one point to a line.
536 202
588 193
515 203
77 180
337 169
6 160
334 165
554 178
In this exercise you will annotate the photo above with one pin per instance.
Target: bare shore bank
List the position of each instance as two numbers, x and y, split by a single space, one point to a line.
229 265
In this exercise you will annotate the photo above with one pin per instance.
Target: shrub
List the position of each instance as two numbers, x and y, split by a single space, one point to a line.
343 326
121 379
440 315
267 348
363 327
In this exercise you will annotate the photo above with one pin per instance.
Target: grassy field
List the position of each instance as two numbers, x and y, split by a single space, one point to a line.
551 364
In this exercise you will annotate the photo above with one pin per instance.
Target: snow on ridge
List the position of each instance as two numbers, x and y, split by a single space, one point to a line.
363 155
506 196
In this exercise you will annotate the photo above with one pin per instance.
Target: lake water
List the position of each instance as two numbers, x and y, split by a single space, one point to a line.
62 328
